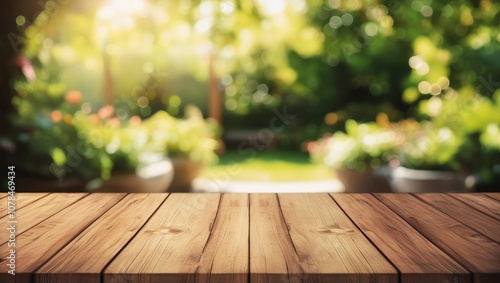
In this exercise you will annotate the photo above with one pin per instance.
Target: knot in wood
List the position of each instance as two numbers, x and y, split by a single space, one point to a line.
333 230
166 231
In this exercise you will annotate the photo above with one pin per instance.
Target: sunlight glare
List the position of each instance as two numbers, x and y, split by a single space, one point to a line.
272 8
119 13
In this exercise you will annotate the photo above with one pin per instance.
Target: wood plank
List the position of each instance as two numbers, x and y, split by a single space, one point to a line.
272 255
471 249
480 202
40 243
3 195
22 199
326 245
415 257
465 214
494 195
37 211
84 258
192 238
226 255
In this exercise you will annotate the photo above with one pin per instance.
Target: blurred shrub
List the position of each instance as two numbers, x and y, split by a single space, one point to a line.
362 146
192 137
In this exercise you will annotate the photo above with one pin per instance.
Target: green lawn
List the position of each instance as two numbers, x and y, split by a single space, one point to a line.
267 166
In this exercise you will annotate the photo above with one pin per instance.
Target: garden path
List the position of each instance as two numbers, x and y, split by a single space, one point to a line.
315 186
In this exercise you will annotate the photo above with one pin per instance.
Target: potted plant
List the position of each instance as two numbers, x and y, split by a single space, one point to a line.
359 155
429 161
454 150
488 174
42 124
190 144
62 144
130 157
481 154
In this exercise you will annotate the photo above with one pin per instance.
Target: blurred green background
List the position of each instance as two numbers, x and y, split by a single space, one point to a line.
323 62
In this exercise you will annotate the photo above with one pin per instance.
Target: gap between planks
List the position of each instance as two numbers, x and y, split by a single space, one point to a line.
495 196
310 240
464 213
396 240
39 210
291 277
476 252
211 229
22 199
47 238
481 202
105 237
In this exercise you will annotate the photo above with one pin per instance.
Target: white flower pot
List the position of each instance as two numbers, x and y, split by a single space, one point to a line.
153 178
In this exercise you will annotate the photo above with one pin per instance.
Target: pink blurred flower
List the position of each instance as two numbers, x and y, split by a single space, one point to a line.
73 96
26 68
311 147
56 116
115 122
106 112
135 120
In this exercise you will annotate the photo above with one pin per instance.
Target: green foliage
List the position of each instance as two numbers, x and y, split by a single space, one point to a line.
431 147
471 117
64 140
490 138
109 147
459 133
147 44
192 137
362 146
329 54
432 60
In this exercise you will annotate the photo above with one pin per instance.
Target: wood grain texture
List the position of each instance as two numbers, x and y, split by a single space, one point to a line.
39 210
481 202
226 255
213 231
494 195
471 249
261 238
328 246
84 258
415 257
272 254
22 199
40 243
465 214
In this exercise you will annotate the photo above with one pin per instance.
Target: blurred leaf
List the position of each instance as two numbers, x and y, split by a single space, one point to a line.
58 156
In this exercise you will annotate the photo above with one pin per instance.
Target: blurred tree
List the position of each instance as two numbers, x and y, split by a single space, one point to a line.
327 60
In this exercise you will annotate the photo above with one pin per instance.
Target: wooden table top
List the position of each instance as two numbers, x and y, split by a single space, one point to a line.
79 237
